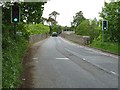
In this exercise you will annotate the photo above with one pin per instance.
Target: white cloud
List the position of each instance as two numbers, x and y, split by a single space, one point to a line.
68 8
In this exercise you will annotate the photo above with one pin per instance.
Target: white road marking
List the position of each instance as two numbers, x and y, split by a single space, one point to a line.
23 79
91 63
90 49
36 61
63 58
34 58
114 73
83 58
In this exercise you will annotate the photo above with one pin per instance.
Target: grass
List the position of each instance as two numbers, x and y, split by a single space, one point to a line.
13 52
106 46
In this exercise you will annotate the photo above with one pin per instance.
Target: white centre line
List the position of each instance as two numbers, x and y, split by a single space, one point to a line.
83 58
34 58
114 73
36 61
63 58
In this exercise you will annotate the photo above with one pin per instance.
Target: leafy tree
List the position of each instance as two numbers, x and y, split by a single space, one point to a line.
43 20
13 45
37 28
88 29
78 18
29 11
111 12
54 14
52 20
6 13
32 11
57 28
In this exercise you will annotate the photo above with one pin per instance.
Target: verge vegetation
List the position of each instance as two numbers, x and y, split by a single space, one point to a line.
93 28
15 42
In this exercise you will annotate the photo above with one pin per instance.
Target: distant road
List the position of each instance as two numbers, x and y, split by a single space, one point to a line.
59 63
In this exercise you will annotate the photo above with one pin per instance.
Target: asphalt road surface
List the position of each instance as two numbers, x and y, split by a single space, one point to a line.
59 63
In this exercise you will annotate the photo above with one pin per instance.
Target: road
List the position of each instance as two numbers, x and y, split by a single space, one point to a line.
58 63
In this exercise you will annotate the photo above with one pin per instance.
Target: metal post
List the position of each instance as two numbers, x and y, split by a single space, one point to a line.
102 28
102 36
14 28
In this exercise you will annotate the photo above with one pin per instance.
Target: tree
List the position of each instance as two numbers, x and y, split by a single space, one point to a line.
78 18
32 11
6 13
43 20
52 20
29 11
111 12
87 28
13 45
54 14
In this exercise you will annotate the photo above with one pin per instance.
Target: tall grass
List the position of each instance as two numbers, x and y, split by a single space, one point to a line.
106 46
13 51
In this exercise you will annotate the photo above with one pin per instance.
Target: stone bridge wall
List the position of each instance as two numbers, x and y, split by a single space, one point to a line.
37 37
83 40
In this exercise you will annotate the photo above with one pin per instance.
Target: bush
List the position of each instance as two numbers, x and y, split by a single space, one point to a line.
13 49
37 29
12 60
106 46
85 29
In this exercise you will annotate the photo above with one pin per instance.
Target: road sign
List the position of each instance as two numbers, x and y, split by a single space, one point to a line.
104 25
15 13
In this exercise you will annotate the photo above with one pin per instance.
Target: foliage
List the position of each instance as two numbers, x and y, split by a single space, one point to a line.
28 11
87 29
57 28
111 12
37 28
54 14
6 12
66 28
106 46
14 45
32 10
52 21
13 49
12 61
54 28
43 20
78 18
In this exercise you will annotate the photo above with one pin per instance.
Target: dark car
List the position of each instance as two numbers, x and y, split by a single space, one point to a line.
54 34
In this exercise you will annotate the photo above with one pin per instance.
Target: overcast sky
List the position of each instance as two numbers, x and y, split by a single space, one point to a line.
68 8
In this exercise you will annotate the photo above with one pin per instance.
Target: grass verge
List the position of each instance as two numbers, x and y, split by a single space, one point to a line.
106 46
13 52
